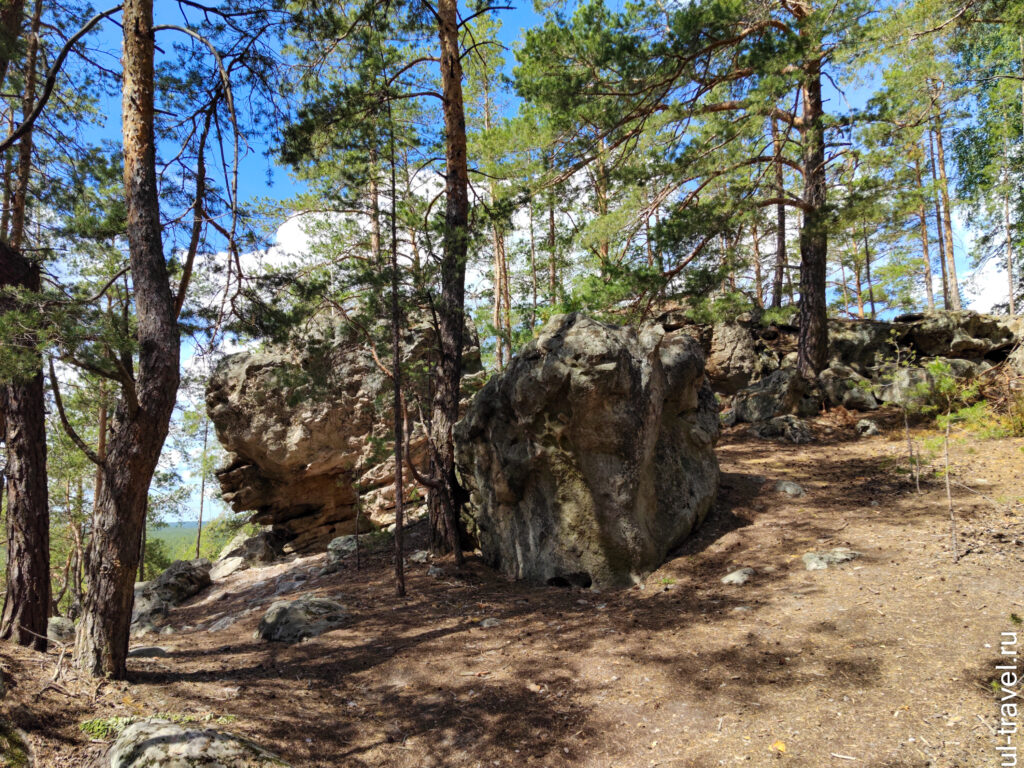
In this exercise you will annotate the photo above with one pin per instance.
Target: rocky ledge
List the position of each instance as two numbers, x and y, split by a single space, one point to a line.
307 432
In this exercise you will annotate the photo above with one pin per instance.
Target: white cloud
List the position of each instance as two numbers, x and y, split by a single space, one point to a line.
986 286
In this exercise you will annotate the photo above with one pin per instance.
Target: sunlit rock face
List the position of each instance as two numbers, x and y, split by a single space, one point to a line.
592 455
308 430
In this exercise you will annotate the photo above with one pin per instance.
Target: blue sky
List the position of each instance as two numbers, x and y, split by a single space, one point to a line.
261 178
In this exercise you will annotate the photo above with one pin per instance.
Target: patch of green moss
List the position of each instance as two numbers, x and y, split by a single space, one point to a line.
14 752
112 727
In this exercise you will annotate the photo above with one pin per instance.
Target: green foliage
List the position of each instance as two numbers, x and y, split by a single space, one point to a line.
779 315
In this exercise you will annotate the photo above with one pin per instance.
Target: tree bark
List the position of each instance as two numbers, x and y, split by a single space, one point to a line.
446 499
11 17
19 202
925 254
27 597
1009 251
780 222
142 415
938 223
947 222
812 344
867 272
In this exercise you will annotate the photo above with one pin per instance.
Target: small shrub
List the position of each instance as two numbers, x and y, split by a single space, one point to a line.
1015 413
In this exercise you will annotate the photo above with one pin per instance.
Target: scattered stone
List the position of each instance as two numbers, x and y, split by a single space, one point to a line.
867 428
820 561
340 548
222 623
419 556
434 572
859 399
592 455
60 630
788 428
158 743
288 621
789 488
739 577
168 630
288 583
148 652
489 623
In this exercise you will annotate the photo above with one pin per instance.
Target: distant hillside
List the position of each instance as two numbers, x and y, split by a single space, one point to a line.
175 535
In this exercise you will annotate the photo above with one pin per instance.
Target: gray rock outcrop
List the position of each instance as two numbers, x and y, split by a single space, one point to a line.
289 621
304 427
246 551
863 370
592 455
60 630
181 580
158 743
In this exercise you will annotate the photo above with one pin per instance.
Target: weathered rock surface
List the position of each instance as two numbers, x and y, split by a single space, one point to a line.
161 744
289 621
820 561
246 551
592 455
181 580
60 630
863 372
304 427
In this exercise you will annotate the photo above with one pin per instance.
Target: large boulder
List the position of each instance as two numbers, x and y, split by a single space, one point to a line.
289 621
733 359
307 425
592 455
246 551
156 743
181 580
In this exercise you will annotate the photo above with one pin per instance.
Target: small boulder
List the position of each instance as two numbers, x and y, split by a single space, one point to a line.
147 652
789 488
820 561
60 630
739 577
289 621
339 548
867 428
158 743
788 428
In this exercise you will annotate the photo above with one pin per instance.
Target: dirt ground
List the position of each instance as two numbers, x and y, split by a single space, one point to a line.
884 661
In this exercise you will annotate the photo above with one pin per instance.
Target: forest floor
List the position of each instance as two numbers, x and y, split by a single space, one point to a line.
884 661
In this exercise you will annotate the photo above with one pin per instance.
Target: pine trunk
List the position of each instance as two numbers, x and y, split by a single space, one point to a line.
142 415
27 597
780 222
812 346
446 499
925 254
947 222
